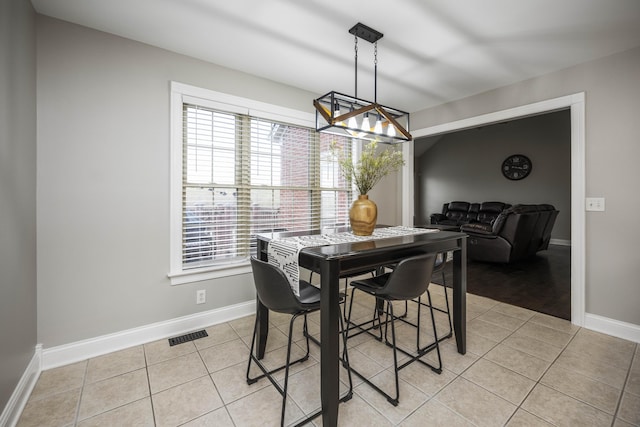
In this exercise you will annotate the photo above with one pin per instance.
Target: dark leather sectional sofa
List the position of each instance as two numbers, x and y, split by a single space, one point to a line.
514 233
459 213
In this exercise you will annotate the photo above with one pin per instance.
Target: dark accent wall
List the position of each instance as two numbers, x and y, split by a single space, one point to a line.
18 300
466 165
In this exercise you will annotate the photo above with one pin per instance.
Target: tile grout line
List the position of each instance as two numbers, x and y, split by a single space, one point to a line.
624 386
543 374
146 369
518 406
224 405
459 375
575 398
84 382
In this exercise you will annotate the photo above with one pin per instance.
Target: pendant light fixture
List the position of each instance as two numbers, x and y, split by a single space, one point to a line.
351 116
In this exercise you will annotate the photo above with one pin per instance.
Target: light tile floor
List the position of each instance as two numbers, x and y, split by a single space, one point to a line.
522 368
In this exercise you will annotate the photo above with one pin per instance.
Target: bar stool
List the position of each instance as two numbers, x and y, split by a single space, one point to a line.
409 279
275 293
438 267
344 293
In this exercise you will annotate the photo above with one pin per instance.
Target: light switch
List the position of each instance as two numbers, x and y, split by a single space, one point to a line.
595 204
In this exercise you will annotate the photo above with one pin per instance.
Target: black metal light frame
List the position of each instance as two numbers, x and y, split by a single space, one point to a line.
334 109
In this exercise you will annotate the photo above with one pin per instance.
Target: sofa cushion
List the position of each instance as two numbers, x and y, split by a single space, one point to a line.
472 214
458 206
493 207
489 211
457 212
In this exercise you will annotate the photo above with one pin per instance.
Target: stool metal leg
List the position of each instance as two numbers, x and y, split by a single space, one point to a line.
362 326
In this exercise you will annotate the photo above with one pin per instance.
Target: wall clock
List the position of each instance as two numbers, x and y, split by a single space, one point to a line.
516 167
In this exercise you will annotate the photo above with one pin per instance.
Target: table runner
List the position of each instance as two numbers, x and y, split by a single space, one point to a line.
283 253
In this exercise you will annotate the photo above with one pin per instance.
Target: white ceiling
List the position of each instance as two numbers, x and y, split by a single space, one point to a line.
433 51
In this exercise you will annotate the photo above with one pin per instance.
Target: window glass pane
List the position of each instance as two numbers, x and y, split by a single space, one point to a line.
335 209
266 166
281 210
209 226
295 210
296 156
265 210
280 154
210 141
330 176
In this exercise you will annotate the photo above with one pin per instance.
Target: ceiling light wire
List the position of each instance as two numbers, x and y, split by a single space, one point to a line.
355 48
375 72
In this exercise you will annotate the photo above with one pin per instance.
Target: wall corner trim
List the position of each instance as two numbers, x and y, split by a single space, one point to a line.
98 346
18 400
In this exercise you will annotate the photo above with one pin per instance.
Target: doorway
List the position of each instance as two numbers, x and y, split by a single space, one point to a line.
466 165
576 105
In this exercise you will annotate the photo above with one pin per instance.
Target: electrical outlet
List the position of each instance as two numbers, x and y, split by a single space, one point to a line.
595 204
201 296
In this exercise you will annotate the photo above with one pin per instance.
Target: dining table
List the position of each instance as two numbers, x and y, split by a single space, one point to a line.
334 261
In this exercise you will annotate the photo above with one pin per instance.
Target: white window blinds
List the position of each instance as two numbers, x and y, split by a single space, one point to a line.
244 175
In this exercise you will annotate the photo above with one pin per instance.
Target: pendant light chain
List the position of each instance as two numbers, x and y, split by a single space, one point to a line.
356 62
375 72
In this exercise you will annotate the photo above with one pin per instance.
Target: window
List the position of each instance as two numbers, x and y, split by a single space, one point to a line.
240 168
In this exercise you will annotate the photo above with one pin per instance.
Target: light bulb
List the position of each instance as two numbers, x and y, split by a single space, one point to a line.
365 123
336 113
378 127
391 130
353 124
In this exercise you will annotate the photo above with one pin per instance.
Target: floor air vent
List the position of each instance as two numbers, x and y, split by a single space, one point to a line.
187 337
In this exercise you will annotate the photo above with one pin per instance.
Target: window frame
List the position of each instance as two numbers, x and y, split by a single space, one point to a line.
182 93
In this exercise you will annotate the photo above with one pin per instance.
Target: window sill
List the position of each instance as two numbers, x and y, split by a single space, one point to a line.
190 276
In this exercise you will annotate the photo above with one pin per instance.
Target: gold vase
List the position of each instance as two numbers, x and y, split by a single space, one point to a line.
363 216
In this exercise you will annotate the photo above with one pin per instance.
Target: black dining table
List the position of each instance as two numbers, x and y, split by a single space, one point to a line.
339 260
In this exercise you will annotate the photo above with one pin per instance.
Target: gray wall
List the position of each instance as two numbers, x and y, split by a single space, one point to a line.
466 165
103 181
17 193
612 88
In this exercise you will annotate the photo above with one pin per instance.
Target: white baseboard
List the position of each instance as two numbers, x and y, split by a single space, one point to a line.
616 328
560 242
82 350
21 393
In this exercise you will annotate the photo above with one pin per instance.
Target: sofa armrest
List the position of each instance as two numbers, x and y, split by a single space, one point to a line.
437 217
479 229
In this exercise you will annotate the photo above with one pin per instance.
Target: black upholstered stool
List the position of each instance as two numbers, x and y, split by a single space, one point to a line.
275 293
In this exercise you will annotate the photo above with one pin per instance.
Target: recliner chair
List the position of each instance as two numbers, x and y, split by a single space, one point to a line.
517 233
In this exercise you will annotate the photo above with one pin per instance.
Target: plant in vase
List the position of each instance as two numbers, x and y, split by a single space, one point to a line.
365 173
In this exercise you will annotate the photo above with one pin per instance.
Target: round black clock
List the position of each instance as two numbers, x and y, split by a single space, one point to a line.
516 167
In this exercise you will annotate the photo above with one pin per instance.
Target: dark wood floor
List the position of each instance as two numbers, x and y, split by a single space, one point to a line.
541 283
